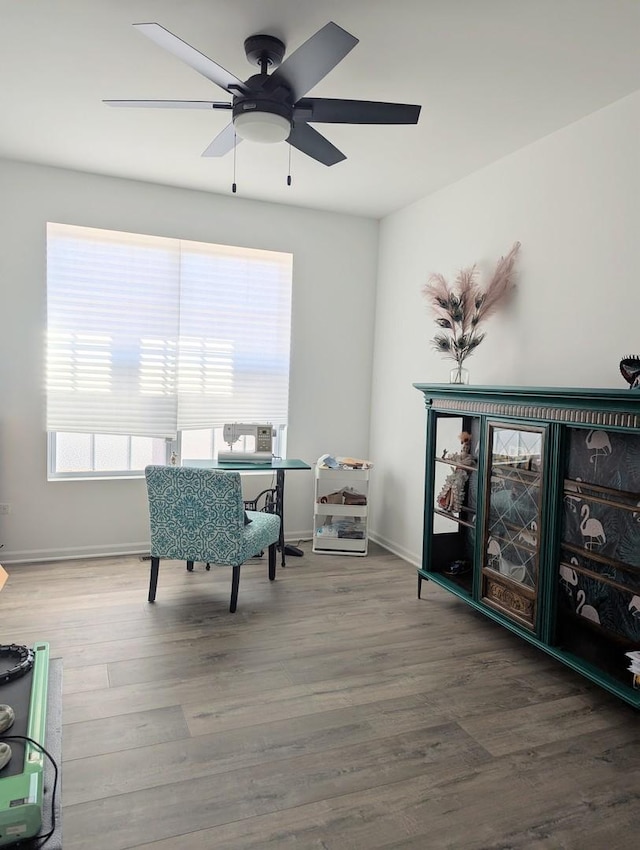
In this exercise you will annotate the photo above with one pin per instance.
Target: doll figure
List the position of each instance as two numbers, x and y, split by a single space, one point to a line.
452 493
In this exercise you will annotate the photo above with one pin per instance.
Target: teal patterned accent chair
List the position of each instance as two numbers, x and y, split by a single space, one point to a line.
199 515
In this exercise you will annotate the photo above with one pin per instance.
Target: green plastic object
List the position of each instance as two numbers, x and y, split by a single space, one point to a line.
21 795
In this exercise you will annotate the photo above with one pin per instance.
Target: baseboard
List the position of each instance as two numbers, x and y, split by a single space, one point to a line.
107 550
33 556
413 558
396 549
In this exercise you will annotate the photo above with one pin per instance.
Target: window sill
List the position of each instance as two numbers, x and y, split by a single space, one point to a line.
125 476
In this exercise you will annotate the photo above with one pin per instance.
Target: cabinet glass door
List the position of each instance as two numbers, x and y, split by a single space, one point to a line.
450 551
598 577
512 533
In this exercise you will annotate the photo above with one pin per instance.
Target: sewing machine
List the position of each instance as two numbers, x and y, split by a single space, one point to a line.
23 685
262 436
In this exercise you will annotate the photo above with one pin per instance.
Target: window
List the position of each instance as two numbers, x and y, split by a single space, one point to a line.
154 340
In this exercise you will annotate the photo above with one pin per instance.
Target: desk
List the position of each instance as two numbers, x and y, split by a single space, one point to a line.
277 466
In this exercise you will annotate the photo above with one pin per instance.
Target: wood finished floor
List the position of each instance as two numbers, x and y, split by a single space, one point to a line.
334 710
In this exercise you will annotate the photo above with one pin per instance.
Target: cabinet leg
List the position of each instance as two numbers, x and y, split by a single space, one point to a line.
419 585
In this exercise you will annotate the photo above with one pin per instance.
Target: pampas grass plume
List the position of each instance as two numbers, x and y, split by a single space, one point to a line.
459 310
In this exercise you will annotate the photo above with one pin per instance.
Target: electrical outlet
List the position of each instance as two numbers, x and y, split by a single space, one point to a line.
5 508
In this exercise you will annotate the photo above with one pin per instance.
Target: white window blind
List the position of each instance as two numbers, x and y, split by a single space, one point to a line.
149 336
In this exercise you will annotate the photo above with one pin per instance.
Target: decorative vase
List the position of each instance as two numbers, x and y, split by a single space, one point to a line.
459 375
630 369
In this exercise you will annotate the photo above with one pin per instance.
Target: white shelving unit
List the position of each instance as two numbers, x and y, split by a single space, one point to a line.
331 520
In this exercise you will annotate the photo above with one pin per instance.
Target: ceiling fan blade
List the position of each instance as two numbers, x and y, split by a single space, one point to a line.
170 104
337 111
223 142
313 60
196 60
309 141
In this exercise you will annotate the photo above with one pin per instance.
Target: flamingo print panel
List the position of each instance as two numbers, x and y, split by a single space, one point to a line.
599 573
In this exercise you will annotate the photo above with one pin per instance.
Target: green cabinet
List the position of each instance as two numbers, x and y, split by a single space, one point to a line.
532 516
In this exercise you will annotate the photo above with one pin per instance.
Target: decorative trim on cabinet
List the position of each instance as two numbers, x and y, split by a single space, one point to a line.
600 418
510 600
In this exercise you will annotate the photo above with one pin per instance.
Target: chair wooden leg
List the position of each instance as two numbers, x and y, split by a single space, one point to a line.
272 561
235 584
153 578
190 566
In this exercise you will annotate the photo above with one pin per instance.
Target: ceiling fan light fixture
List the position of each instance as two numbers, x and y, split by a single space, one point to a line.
264 127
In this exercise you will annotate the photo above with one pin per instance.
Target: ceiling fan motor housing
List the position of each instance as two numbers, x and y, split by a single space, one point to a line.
273 112
264 50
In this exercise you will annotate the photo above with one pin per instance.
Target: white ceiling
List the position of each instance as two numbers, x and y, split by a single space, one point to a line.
491 76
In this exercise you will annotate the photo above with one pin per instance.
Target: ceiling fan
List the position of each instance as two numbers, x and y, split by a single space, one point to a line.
272 107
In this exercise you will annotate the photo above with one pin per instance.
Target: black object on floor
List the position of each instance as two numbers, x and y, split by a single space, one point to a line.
293 550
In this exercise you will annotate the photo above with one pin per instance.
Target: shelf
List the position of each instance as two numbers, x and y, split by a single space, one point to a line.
339 544
323 509
573 487
327 482
461 585
520 586
521 476
602 578
454 518
349 474
578 493
519 544
454 464
600 559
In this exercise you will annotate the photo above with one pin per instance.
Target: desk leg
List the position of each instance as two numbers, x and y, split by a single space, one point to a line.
280 510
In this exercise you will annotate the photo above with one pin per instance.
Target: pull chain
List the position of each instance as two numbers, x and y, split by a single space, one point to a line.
289 174
235 145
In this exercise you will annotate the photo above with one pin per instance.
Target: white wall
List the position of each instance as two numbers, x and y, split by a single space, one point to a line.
572 200
332 332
